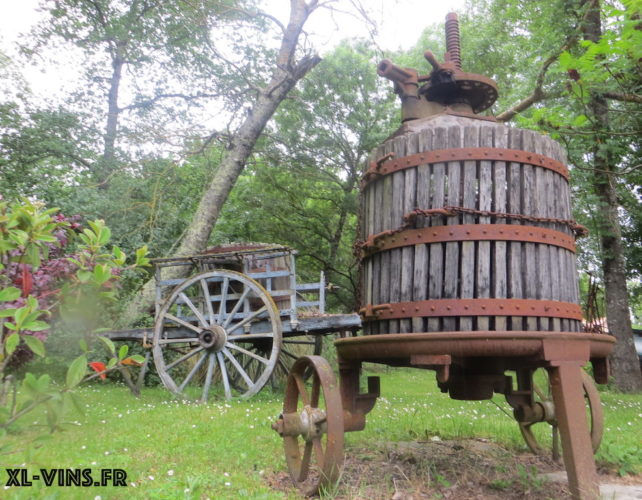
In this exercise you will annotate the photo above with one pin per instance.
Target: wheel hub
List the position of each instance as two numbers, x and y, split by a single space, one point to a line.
213 338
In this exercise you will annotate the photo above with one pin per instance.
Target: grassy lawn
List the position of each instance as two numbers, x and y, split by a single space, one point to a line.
172 449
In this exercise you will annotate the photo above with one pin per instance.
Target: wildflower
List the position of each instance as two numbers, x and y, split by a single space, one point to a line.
170 472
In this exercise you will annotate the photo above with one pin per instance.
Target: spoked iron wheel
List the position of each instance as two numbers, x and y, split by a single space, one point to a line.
312 425
219 329
544 439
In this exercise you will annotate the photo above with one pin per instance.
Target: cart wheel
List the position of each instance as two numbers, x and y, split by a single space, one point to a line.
219 327
312 425
542 443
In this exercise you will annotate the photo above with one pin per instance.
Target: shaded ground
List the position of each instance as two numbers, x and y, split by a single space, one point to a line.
461 469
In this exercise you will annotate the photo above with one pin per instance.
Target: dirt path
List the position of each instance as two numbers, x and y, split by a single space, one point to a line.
462 470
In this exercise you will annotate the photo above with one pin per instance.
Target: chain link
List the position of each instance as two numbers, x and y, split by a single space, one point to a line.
451 211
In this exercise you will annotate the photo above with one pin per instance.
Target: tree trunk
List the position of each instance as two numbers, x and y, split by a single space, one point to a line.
105 166
286 74
624 360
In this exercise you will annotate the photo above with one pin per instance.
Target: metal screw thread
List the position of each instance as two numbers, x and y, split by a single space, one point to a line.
452 39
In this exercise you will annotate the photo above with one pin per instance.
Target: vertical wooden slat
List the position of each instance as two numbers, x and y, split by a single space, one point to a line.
386 216
451 266
543 258
552 206
531 270
500 254
421 263
483 278
377 227
408 253
436 272
396 219
515 265
469 200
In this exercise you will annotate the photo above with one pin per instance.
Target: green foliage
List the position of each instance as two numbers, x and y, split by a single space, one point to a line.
302 188
28 235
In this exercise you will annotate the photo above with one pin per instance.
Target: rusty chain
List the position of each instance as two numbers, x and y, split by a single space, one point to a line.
451 211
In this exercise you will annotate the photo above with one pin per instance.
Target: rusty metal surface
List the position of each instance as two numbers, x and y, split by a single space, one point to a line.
466 232
474 307
306 419
542 411
452 39
446 86
566 384
388 165
401 346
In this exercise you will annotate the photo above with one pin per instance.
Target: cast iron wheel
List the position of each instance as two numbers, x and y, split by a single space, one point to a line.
314 452
219 328
544 397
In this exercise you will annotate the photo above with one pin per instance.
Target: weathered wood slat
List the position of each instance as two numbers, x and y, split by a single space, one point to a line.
436 270
468 269
396 219
421 263
453 185
408 253
528 207
500 256
469 200
483 263
515 265
545 146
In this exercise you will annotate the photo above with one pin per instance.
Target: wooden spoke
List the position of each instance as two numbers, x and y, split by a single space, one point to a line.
197 313
184 358
208 302
208 377
236 308
239 369
248 319
223 304
226 382
182 322
192 372
245 361
263 360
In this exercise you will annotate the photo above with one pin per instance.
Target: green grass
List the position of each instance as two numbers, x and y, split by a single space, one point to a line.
172 449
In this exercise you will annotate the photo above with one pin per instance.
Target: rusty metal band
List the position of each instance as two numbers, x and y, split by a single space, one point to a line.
386 166
474 307
466 232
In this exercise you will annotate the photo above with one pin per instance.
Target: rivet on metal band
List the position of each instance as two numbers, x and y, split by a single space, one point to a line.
387 240
477 307
390 166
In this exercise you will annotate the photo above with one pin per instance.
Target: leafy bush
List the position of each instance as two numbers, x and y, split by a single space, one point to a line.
45 271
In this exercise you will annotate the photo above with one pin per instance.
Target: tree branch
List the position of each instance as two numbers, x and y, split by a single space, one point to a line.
538 93
159 97
623 96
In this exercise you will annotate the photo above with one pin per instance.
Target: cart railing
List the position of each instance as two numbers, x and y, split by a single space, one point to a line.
279 280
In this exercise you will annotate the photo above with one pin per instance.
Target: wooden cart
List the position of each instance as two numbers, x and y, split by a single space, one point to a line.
236 320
